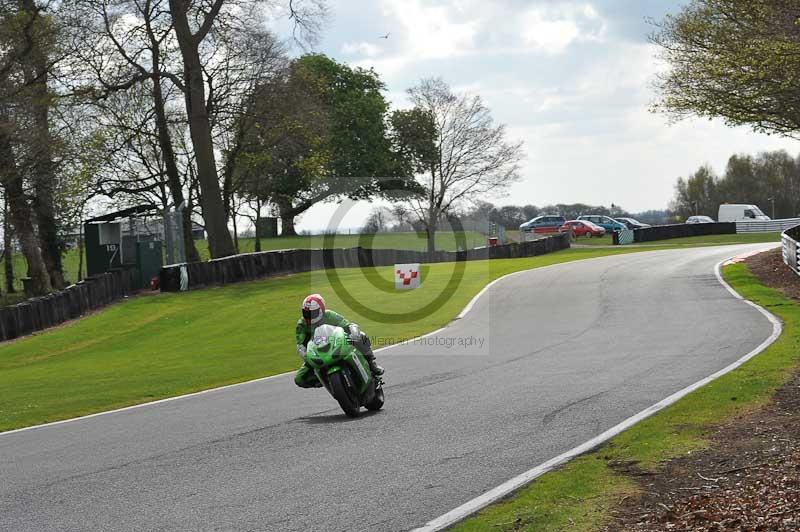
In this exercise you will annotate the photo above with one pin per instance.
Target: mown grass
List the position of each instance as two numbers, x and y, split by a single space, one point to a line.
744 238
164 345
584 490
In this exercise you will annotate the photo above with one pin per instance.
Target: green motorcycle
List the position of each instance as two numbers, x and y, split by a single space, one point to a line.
344 371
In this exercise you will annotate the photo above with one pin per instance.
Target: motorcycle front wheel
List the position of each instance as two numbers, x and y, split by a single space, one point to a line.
344 394
376 403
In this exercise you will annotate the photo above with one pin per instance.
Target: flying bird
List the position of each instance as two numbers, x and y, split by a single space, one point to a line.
384 36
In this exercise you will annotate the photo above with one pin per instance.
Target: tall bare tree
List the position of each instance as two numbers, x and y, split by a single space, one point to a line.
459 153
184 13
21 212
31 51
27 54
36 65
129 48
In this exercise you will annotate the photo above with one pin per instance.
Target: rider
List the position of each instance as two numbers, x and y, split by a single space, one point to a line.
314 315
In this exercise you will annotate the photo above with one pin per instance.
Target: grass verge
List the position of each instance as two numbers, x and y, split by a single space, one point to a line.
579 494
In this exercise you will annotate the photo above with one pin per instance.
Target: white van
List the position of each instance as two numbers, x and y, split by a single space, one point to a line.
740 212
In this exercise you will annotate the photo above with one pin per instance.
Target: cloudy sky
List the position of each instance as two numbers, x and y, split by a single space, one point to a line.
573 80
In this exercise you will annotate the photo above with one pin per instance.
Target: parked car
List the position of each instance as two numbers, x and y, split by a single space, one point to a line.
549 223
583 228
699 220
606 222
729 212
632 223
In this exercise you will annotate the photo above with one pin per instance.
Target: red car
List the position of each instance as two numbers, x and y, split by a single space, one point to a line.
583 228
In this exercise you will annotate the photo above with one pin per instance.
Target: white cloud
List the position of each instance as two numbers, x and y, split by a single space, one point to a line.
550 36
452 29
361 48
433 31
552 29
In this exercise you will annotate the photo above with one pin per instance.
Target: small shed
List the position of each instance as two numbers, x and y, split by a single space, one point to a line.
267 227
124 239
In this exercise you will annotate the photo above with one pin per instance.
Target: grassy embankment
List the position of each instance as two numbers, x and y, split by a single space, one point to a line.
579 495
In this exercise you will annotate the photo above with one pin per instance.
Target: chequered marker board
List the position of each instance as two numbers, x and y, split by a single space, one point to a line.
625 237
406 276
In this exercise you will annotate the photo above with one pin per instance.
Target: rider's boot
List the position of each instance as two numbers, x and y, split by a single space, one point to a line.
376 370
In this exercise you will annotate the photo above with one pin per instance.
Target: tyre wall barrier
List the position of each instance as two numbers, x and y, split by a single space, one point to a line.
260 265
766 226
790 244
665 232
40 313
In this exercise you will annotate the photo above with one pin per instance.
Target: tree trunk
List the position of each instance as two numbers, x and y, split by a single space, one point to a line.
235 231
258 223
430 228
8 256
80 256
168 156
219 238
287 226
21 217
43 170
286 213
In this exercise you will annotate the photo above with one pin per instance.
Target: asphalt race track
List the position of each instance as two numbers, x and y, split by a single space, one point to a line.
567 352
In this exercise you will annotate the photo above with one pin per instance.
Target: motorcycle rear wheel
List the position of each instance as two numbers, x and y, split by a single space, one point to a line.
344 395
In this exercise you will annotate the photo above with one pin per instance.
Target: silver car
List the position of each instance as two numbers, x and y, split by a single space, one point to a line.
699 220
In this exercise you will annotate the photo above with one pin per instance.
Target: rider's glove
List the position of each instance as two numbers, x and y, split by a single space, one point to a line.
354 334
301 350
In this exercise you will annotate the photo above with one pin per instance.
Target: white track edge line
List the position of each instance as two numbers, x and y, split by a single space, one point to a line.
142 405
260 379
478 503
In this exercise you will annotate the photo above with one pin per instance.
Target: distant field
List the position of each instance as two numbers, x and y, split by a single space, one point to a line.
70 262
445 240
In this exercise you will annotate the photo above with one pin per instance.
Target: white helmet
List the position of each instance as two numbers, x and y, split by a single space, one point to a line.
313 309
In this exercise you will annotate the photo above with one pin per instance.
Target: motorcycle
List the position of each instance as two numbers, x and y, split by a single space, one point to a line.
344 371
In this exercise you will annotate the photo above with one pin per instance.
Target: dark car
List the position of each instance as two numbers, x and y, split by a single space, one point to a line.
632 223
549 223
